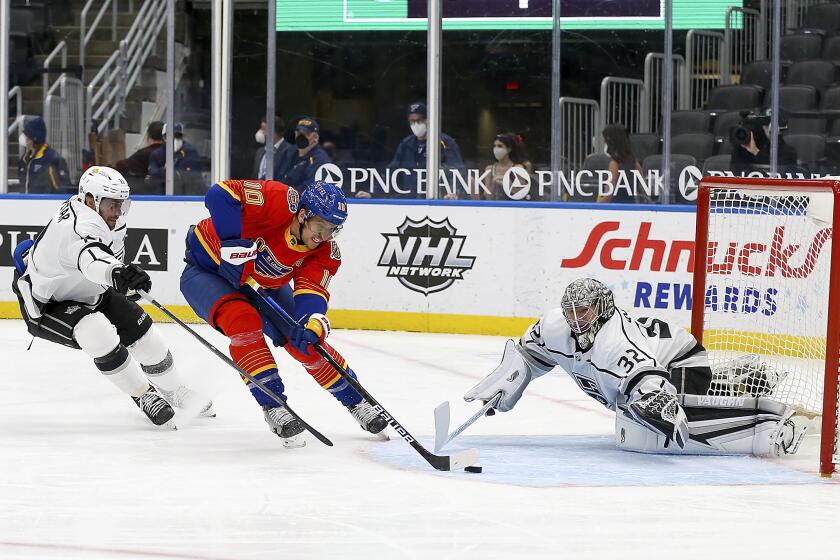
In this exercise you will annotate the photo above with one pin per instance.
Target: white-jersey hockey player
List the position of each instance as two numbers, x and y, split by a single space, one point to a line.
71 284
654 375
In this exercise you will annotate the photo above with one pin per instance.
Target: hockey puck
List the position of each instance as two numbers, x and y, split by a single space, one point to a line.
473 469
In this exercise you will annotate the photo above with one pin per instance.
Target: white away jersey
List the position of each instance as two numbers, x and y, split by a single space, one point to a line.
73 257
626 351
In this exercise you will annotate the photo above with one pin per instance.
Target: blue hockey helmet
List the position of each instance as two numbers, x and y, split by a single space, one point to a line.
326 201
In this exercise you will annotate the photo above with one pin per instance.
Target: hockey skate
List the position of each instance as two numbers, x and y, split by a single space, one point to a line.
659 411
789 436
287 427
155 407
184 397
370 419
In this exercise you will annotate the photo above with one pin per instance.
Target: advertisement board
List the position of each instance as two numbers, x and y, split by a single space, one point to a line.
448 267
393 15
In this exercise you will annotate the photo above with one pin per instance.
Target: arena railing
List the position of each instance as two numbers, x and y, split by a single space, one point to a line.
579 122
741 41
703 57
623 102
654 95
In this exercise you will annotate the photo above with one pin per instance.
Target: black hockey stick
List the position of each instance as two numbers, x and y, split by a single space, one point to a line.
440 462
318 435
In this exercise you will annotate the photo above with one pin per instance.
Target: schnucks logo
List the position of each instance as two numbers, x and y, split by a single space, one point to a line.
425 255
772 257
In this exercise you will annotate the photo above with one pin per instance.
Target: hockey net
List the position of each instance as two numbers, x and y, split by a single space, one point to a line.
764 299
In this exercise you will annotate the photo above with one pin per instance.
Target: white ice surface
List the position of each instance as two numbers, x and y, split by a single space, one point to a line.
83 475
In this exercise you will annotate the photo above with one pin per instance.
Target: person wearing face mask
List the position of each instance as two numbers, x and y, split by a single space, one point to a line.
508 153
296 167
259 169
622 161
187 164
411 155
40 169
135 167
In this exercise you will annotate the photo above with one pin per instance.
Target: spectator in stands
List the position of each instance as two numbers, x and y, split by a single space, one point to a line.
507 153
622 160
754 155
280 146
41 169
187 164
135 167
411 153
298 166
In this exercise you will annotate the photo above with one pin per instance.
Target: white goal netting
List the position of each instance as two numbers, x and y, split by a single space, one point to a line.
766 294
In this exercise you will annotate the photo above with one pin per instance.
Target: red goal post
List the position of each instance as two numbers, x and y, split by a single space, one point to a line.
768 289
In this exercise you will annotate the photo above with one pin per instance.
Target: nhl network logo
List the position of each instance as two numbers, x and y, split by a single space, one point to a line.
425 255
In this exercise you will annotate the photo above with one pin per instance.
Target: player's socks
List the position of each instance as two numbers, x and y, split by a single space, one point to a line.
331 380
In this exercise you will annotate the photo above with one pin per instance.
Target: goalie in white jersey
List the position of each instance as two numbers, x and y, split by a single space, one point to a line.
654 375
71 284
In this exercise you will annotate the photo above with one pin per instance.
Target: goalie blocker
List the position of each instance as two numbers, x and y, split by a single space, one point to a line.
633 367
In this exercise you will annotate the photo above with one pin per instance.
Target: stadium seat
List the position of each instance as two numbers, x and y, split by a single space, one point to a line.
802 99
678 163
645 144
796 98
724 123
831 102
759 74
735 98
818 73
831 48
699 145
721 162
810 148
825 17
689 121
801 46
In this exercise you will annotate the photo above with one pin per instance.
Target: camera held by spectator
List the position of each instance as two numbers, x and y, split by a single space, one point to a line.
751 142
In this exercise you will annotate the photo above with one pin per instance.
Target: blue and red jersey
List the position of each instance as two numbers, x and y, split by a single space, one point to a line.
263 211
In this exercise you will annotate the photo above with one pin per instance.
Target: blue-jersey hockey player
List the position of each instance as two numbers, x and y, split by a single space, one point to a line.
266 231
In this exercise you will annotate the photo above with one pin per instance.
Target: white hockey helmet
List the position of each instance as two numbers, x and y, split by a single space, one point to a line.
104 182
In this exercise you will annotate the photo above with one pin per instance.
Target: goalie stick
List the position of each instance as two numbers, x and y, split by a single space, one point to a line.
271 394
442 435
440 462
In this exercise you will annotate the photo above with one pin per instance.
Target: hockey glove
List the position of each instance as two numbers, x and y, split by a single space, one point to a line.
510 379
130 277
316 331
659 411
237 260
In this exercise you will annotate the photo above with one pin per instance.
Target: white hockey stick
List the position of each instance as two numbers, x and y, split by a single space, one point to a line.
442 435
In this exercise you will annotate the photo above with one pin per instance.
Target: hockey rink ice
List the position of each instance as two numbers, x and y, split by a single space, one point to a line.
83 475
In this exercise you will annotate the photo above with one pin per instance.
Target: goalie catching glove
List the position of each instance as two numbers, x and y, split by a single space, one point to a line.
130 277
510 379
659 411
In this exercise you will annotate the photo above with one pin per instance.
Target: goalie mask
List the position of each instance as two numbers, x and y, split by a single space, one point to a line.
587 304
